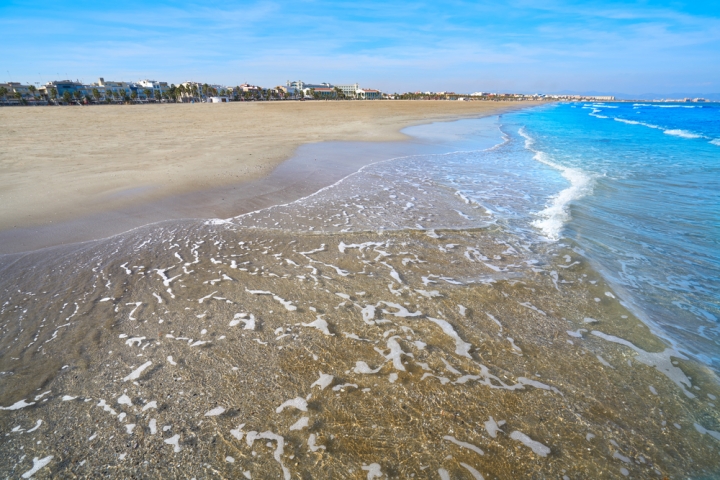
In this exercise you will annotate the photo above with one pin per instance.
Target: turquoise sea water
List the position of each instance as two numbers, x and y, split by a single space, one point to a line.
636 186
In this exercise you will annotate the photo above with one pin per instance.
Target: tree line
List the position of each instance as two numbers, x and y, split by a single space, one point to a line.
174 93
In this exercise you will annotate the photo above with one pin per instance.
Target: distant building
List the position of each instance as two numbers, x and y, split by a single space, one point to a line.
14 88
299 85
62 86
114 88
155 86
350 91
369 94
322 92
246 87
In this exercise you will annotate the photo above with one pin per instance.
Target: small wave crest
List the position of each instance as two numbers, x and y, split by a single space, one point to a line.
674 132
682 133
554 217
635 122
716 142
595 113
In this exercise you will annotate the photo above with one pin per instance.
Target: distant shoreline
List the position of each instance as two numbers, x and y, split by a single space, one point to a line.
98 172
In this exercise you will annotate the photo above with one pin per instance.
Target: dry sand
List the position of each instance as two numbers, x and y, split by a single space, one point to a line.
60 164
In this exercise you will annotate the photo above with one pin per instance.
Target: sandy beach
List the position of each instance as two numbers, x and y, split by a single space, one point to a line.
107 165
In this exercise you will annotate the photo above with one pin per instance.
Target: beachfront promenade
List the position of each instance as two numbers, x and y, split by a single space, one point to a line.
69 92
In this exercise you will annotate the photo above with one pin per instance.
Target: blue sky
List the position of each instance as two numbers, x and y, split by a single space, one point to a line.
524 46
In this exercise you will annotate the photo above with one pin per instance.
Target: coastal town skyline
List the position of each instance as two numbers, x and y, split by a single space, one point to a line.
68 92
146 90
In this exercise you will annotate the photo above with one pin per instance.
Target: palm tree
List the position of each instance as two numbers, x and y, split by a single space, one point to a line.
134 95
158 95
19 97
3 92
53 93
77 95
96 94
147 93
32 90
67 97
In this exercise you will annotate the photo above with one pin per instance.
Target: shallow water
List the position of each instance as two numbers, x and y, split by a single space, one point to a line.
407 322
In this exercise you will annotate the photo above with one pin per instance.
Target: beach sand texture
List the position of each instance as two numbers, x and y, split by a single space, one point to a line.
68 162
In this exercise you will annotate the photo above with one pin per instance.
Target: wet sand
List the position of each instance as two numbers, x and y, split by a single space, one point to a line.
200 350
75 174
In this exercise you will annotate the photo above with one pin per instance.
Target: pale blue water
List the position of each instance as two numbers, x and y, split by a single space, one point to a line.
637 186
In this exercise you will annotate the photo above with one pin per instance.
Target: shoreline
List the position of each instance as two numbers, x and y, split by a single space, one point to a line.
38 215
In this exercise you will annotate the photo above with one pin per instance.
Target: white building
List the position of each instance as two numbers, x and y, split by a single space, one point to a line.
350 91
154 86
299 85
117 88
368 94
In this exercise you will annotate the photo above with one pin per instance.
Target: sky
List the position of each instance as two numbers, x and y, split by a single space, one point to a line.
547 46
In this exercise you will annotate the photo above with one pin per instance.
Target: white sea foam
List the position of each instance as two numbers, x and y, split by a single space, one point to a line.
493 427
38 463
536 447
373 470
320 324
466 445
137 372
476 475
660 360
554 217
297 402
461 346
681 133
364 368
323 382
300 424
705 431
635 122
175 442
18 405
716 142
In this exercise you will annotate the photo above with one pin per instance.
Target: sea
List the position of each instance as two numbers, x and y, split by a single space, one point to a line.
533 294
642 202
